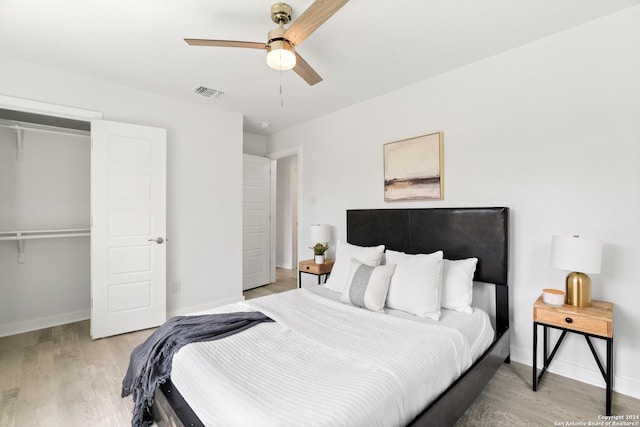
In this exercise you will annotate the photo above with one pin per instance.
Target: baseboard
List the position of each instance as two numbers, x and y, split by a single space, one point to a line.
43 322
76 316
580 373
284 266
201 307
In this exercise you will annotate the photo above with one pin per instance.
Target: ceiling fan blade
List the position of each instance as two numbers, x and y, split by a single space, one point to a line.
225 43
304 70
311 19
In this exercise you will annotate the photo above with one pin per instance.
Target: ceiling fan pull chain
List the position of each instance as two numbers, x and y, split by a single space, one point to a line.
281 92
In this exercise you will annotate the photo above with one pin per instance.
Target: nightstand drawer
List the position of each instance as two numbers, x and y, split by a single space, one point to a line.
573 321
313 268
309 266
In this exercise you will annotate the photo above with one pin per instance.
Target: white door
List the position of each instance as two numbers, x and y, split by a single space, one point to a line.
256 228
128 223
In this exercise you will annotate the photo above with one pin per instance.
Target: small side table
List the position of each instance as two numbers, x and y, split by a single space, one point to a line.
310 267
591 322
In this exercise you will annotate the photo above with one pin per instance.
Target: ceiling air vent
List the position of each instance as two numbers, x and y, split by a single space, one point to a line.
208 92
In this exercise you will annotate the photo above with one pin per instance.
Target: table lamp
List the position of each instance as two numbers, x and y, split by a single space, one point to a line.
579 255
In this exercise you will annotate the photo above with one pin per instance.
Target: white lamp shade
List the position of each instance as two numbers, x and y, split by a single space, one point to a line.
577 254
281 56
319 233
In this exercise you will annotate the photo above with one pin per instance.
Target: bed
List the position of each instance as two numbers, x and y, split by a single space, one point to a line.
347 366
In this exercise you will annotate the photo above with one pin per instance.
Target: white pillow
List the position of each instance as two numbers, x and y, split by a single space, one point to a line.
457 288
367 286
344 252
416 283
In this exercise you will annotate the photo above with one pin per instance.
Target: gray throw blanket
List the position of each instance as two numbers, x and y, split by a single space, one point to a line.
150 362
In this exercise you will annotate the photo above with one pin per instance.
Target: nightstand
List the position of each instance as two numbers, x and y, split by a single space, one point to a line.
310 267
591 322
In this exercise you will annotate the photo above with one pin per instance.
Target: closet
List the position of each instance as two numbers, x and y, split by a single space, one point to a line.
44 220
82 220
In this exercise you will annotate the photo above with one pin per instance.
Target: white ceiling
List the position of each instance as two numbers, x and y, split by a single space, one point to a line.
368 48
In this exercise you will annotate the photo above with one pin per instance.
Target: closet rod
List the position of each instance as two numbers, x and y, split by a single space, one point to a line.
43 234
58 230
21 236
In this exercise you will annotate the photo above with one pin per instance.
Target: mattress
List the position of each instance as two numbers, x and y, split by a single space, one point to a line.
475 326
323 363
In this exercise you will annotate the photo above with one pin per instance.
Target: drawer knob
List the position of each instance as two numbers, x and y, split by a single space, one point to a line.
568 319
308 267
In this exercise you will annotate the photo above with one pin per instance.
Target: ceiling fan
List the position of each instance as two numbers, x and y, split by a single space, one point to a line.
282 42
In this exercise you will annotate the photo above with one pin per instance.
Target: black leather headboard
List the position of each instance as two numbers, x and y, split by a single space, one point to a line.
459 232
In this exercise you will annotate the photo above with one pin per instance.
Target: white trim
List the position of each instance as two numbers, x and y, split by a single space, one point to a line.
273 198
37 107
286 153
43 322
293 208
285 266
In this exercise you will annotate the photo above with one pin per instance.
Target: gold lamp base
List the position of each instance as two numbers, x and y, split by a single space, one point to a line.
578 290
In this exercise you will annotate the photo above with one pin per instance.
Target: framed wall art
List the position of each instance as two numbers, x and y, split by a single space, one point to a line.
413 169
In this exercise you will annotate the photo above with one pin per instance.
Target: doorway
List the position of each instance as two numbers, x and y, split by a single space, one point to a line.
287 202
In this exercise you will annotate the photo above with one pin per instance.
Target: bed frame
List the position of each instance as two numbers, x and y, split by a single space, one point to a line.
460 233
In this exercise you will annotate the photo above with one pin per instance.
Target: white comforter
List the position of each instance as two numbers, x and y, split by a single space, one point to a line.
322 363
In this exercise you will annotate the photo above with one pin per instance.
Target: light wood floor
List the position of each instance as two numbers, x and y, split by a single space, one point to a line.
60 377
285 280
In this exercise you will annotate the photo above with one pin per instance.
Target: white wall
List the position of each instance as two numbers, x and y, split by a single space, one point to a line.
552 130
204 176
254 144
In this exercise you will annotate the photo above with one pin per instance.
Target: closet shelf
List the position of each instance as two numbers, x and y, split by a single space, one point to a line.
20 126
21 235
43 234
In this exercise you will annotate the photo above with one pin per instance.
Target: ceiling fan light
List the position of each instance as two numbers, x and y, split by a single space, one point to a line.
281 55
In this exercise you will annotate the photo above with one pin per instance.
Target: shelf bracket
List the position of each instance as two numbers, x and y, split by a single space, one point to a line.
19 144
21 254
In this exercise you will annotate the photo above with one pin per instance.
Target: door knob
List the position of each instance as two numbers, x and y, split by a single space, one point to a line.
159 240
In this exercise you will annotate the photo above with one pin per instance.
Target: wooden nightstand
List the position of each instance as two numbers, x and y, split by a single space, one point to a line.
310 267
595 321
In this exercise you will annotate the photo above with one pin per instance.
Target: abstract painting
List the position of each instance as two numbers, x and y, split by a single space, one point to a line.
413 168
